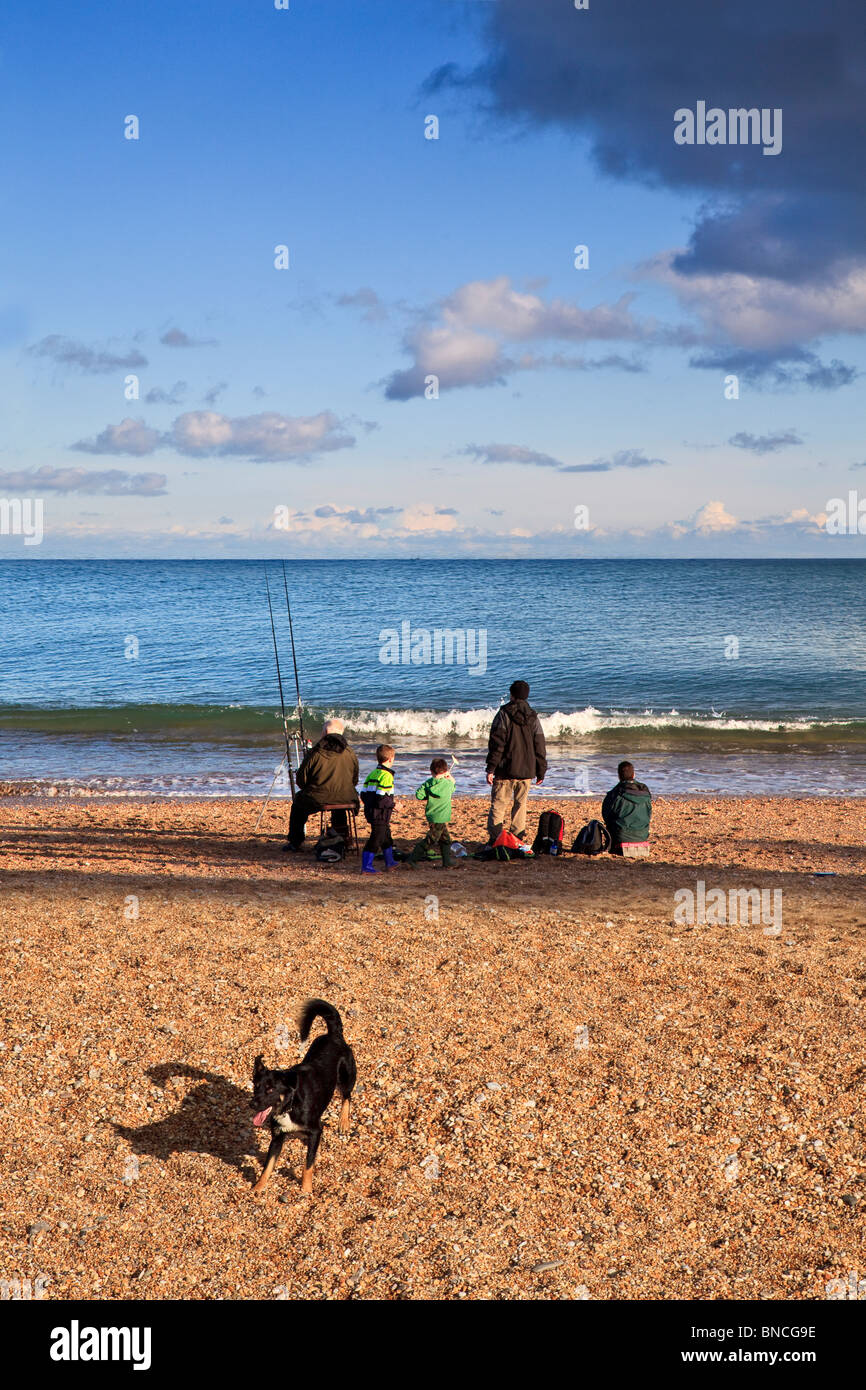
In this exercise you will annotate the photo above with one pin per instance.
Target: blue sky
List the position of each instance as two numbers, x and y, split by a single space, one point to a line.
303 389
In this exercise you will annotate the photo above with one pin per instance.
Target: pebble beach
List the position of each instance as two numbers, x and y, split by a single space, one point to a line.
565 1091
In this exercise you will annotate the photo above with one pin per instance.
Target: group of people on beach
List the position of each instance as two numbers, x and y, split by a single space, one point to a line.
327 781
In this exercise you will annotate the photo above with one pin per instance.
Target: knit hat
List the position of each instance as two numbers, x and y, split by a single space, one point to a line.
519 690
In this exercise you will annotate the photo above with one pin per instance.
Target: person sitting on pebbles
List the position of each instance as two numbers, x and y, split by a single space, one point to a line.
328 776
626 811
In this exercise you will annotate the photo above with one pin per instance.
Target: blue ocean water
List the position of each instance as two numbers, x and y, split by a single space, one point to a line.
159 676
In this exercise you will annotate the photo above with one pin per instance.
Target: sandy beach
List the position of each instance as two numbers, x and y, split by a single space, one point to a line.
564 1092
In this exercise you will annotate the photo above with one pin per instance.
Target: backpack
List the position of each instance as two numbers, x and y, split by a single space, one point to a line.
330 849
592 839
548 837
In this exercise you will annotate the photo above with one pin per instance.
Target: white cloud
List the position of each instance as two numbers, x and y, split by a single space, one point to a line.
802 520
264 438
463 339
494 306
427 519
129 437
713 516
762 313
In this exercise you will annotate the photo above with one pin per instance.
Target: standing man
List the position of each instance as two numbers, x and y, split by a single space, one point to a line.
516 754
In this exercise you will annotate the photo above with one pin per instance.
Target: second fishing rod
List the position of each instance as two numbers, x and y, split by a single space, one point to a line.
304 743
286 734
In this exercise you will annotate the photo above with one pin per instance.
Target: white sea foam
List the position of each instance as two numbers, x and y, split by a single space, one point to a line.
474 724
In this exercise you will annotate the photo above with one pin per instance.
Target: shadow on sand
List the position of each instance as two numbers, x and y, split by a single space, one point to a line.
214 1118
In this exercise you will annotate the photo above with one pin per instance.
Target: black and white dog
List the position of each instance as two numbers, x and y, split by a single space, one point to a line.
295 1100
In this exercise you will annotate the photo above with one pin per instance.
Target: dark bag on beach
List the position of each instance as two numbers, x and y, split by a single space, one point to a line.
497 852
548 837
592 839
330 849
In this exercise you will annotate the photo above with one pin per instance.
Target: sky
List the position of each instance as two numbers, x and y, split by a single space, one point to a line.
431 373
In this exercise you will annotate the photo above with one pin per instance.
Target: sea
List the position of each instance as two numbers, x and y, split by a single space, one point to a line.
158 678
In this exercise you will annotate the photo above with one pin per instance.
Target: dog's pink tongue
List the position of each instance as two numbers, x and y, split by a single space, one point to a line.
262 1116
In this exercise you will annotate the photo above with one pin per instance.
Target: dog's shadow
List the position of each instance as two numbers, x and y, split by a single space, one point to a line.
215 1117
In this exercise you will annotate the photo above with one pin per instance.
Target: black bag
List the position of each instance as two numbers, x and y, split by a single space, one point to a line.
592 839
499 852
548 837
330 848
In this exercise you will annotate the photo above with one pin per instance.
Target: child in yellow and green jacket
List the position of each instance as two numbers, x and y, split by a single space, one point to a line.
377 798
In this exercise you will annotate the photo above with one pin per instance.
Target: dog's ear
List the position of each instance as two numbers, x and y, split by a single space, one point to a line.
259 1065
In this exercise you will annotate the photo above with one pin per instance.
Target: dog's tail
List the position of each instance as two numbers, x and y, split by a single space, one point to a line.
319 1008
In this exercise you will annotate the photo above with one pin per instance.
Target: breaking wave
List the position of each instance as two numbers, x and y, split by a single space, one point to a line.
257 724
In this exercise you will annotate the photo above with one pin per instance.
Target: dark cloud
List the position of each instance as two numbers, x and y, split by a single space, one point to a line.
765 443
94 361
615 74
374 311
780 369
623 458
510 453
212 396
158 396
797 238
113 482
613 361
516 453
370 515
176 338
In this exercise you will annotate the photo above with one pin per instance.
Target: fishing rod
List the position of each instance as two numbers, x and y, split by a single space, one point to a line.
288 757
294 659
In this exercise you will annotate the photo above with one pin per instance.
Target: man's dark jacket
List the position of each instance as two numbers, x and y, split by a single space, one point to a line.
516 749
626 811
329 773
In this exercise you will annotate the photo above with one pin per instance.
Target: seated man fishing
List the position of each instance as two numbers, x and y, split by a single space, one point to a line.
327 776
626 811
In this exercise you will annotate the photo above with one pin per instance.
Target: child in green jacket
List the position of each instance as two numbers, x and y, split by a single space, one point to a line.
436 792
